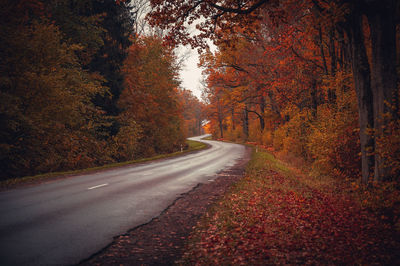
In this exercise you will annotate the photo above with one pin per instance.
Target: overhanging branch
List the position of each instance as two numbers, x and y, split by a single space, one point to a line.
239 10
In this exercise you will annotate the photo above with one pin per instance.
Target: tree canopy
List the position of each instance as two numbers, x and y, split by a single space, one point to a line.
79 88
296 56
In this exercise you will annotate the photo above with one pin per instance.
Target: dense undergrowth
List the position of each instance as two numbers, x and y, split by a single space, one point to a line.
276 215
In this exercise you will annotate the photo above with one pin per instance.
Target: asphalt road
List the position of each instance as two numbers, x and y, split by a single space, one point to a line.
66 221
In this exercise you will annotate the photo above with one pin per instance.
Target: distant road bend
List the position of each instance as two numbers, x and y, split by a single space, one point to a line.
66 221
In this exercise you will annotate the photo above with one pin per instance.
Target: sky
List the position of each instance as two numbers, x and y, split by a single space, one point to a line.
191 74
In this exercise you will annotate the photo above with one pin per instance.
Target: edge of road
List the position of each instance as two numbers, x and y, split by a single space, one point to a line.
14 183
161 240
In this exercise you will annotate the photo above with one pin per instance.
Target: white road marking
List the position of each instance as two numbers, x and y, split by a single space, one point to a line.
148 173
102 185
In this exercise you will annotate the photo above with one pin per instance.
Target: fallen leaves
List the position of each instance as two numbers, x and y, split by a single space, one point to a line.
273 219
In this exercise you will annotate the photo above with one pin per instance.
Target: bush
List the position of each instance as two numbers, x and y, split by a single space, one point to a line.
334 139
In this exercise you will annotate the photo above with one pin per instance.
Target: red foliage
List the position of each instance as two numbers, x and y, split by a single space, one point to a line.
275 220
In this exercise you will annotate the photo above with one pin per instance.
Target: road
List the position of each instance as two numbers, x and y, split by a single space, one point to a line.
66 221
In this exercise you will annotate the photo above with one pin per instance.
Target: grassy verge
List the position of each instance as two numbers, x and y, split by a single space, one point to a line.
195 145
208 137
276 215
191 146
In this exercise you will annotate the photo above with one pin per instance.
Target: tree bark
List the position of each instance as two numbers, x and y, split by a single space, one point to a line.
381 17
220 119
362 82
221 127
246 122
314 100
332 53
274 105
262 113
233 118
321 47
199 127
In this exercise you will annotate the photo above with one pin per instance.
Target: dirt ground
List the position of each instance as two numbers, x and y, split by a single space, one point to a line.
161 241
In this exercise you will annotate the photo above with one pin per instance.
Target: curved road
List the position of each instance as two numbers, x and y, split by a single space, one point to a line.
65 221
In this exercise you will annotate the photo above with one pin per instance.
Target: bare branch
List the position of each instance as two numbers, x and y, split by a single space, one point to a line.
305 59
255 112
239 10
236 67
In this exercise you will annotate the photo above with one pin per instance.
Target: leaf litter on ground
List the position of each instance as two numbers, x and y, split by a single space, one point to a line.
274 216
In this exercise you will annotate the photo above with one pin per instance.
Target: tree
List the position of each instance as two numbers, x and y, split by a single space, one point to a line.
216 110
151 97
118 25
102 29
193 113
62 72
376 84
47 119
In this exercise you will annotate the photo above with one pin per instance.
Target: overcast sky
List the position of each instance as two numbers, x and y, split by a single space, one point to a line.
191 73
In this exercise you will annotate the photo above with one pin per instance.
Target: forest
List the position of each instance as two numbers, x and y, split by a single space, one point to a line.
311 85
316 80
82 85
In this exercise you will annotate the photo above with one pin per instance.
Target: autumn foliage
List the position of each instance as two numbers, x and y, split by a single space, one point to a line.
283 69
314 82
274 216
45 100
284 96
193 113
80 89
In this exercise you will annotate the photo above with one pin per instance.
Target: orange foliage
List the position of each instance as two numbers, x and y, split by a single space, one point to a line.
151 98
206 128
193 113
282 82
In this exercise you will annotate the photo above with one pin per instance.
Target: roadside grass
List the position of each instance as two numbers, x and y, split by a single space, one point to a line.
9 183
195 145
277 215
208 137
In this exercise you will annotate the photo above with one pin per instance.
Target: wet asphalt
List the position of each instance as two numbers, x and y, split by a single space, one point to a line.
65 221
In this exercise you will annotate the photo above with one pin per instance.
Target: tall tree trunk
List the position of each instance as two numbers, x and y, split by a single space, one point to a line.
332 53
362 81
343 48
220 120
233 118
262 123
314 99
272 102
381 17
199 127
246 122
262 112
221 127
345 60
321 47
